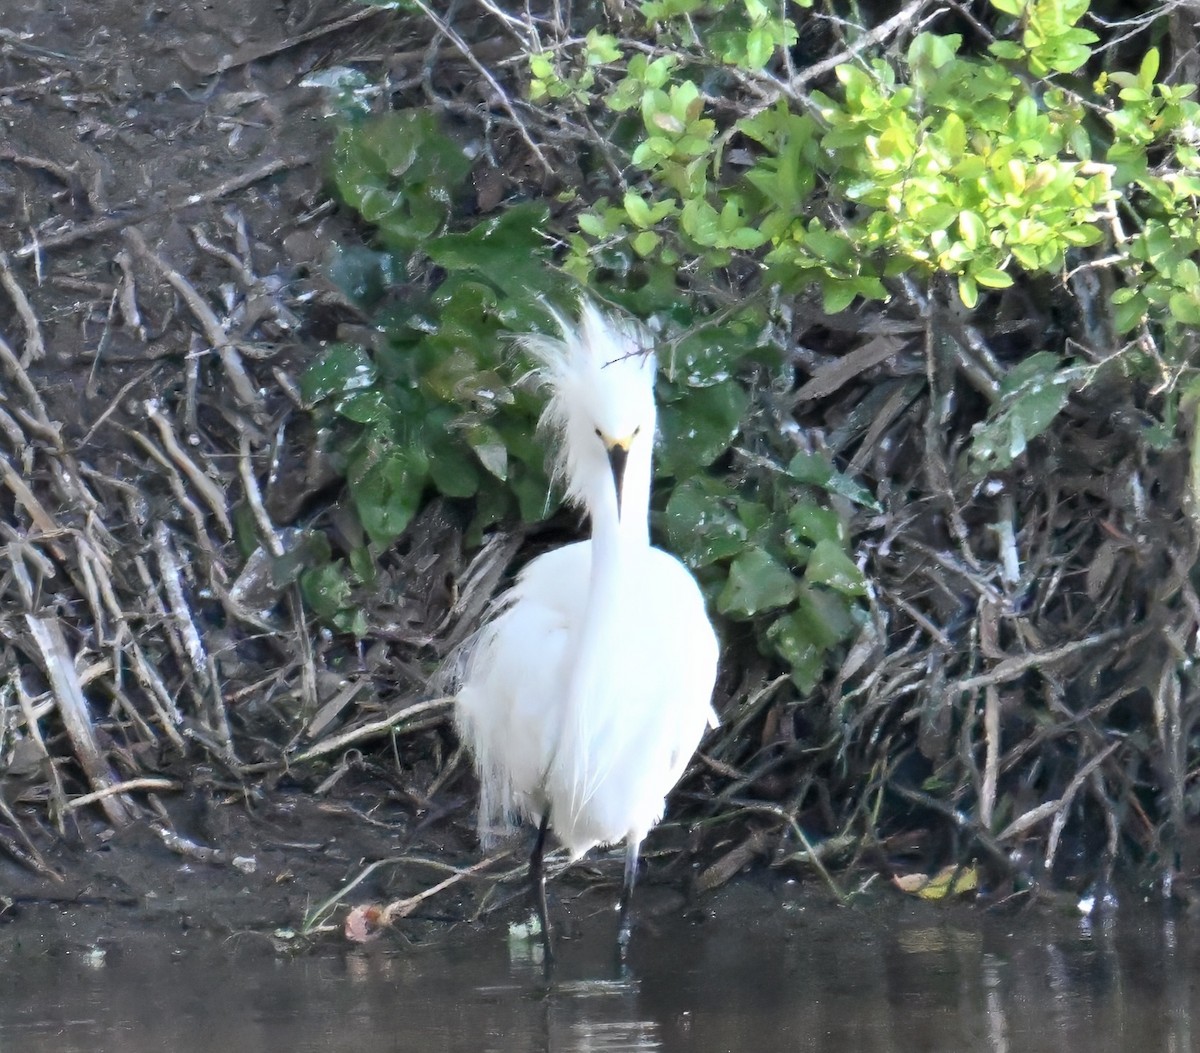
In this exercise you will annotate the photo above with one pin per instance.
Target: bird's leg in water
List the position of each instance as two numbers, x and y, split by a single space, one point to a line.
623 930
537 874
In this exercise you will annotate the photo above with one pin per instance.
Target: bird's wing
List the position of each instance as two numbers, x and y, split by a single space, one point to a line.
628 743
513 679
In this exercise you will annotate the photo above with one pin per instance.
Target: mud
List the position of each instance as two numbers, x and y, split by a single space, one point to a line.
187 126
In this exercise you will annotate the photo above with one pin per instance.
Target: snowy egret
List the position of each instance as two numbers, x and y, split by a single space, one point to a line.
585 695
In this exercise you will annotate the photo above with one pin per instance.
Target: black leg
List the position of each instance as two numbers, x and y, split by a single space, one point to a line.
631 864
537 875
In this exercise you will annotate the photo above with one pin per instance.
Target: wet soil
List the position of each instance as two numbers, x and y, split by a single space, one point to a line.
181 131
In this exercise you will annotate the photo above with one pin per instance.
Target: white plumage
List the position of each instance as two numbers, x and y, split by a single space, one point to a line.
585 695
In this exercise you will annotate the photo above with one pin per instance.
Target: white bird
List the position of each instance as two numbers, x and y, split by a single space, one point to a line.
586 694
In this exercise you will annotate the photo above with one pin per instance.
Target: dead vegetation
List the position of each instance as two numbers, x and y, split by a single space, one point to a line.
1021 697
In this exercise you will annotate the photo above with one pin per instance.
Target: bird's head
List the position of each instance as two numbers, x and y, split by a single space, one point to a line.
601 410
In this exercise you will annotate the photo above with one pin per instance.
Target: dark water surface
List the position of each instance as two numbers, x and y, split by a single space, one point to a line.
775 976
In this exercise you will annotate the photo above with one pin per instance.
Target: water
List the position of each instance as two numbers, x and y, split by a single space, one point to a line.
751 976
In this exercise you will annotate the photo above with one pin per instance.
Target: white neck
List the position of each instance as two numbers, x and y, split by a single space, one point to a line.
614 539
610 531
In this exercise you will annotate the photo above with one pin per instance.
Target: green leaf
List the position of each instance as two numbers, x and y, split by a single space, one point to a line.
760 46
509 250
829 565
1185 308
490 448
344 368
804 636
1015 8
453 471
707 355
645 242
838 295
1039 399
387 484
698 427
805 657
1148 69
1029 371
992 277
816 470
968 291
365 407
701 527
637 209
815 524
972 228
326 589
757 582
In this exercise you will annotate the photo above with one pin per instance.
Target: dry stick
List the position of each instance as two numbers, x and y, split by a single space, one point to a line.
240 182
402 908
113 406
31 398
29 854
35 347
254 497
209 490
991 763
366 731
127 298
901 20
218 339
734 861
177 485
1064 803
308 668
161 699
464 49
147 783
42 519
828 378
1011 668
33 715
73 709
257 52
138 215
393 910
171 575
61 173
201 662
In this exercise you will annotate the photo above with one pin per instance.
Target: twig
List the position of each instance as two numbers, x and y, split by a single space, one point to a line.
318 914
59 667
1011 668
370 730
218 339
401 908
464 49
240 182
147 783
901 20
212 494
30 396
35 347
1058 808
132 214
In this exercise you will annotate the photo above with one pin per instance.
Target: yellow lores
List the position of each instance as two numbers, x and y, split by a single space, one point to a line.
585 695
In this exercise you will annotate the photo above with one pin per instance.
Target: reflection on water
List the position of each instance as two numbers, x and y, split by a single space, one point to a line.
755 975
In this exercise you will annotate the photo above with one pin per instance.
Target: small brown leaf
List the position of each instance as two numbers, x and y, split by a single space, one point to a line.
362 923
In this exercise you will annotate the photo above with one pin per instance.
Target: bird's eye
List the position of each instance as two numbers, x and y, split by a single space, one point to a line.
637 431
599 435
